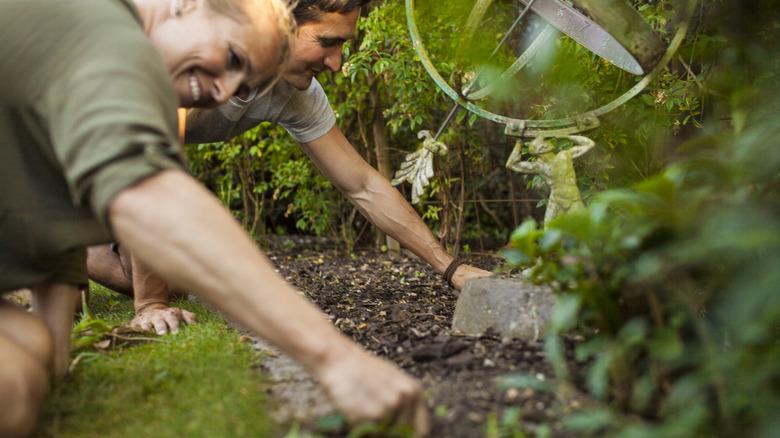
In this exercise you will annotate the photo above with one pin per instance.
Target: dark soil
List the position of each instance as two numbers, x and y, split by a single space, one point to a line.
399 308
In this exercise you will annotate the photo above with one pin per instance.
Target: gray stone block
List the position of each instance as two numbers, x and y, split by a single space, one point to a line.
512 307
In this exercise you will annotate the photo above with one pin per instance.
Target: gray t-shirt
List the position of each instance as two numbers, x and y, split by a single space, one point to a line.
305 114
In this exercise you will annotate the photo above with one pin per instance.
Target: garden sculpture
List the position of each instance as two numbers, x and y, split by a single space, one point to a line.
611 29
557 170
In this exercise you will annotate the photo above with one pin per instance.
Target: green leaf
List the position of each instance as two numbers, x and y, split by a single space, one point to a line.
598 375
633 332
524 237
514 257
686 392
590 421
556 355
642 393
665 344
591 347
550 239
510 418
564 315
331 423
492 430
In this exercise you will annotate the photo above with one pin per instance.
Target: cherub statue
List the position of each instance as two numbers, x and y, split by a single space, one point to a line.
557 169
417 168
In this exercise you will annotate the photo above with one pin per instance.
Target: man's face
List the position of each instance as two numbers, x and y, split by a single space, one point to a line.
318 47
209 56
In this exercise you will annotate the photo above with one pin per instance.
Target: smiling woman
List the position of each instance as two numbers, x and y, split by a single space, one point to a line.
88 111
257 11
210 51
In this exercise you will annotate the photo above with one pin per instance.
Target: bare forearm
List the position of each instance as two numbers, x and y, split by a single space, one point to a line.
372 193
171 223
384 206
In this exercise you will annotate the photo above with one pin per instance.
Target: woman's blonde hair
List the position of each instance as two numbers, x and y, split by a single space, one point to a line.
254 12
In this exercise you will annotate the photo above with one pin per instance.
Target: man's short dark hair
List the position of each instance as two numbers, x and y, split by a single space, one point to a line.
311 10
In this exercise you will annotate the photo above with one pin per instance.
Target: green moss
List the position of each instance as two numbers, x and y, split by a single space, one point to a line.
199 382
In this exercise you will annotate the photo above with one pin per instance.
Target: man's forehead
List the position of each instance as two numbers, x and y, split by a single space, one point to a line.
337 25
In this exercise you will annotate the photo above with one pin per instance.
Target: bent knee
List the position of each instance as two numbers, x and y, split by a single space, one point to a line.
40 344
23 385
28 332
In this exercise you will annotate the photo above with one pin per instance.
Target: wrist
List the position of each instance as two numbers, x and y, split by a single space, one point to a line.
330 356
150 305
449 273
441 259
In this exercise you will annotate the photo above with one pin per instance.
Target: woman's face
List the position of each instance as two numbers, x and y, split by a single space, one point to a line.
210 56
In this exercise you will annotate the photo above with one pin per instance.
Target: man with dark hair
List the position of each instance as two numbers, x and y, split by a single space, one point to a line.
298 103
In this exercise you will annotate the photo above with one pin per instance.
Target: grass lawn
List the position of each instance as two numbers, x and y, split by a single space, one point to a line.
199 382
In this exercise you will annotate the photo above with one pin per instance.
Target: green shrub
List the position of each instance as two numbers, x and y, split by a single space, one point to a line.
674 282
265 179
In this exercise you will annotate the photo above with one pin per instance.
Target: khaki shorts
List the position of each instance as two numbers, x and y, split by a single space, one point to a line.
69 268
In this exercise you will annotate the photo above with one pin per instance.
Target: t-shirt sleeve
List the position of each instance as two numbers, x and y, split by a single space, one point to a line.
308 115
305 114
212 125
111 112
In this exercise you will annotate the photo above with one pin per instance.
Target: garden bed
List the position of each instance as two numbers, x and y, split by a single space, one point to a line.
399 308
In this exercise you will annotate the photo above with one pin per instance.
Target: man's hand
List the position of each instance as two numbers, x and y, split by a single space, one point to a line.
161 319
465 273
366 388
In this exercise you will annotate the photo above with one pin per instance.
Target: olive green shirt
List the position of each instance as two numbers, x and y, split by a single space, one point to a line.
87 109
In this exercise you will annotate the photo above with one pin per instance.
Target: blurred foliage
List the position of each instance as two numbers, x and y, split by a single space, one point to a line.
674 282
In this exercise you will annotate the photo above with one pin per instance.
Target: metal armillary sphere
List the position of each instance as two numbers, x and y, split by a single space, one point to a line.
611 29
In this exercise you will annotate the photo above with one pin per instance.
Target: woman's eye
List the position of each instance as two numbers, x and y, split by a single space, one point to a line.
234 61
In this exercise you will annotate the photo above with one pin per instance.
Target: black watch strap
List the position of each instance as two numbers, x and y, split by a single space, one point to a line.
450 271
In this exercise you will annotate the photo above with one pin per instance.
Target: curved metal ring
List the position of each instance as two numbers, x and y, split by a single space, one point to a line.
553 127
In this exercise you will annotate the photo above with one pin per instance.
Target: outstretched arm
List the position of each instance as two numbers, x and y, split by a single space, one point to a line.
380 202
173 224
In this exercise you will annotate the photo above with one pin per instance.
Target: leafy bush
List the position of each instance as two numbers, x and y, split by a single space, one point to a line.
265 179
674 281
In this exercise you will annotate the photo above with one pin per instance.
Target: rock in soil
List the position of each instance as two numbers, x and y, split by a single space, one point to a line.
512 308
